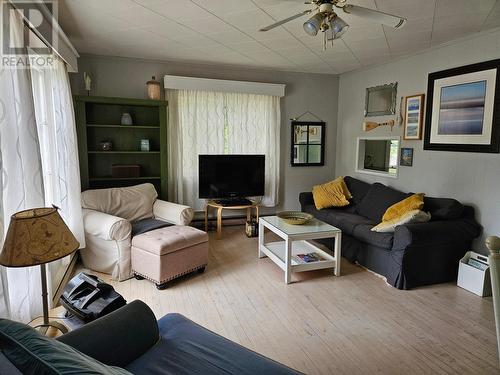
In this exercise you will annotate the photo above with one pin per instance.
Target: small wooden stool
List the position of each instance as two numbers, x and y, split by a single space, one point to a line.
220 207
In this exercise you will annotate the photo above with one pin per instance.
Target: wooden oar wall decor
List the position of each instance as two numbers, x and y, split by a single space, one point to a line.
370 125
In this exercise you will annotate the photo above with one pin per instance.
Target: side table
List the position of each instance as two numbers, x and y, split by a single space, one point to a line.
219 209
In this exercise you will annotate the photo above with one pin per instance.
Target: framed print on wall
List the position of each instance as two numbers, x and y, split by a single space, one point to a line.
414 117
463 109
406 158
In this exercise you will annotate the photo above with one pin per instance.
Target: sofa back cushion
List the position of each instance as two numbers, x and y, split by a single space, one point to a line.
378 199
131 203
443 208
357 188
32 353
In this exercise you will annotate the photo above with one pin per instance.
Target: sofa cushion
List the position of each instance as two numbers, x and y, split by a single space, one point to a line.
410 217
33 353
188 348
345 221
413 202
331 194
131 203
378 199
364 234
443 208
357 188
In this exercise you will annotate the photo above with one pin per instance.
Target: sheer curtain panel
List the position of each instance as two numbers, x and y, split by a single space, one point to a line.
208 122
58 149
21 180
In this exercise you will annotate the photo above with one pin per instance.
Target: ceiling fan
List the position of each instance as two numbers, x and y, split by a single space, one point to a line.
333 27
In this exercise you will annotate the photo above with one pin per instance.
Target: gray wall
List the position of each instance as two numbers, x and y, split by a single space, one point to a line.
125 77
472 178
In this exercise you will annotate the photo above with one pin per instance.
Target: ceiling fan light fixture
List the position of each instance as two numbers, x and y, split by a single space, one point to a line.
338 27
313 24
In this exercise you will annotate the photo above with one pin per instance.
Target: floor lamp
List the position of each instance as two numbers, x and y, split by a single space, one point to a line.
36 237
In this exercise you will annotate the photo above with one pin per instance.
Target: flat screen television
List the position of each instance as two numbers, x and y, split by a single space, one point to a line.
231 176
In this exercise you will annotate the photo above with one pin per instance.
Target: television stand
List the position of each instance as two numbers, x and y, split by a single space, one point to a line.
236 201
219 207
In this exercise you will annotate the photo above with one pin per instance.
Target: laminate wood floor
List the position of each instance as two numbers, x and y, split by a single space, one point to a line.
321 324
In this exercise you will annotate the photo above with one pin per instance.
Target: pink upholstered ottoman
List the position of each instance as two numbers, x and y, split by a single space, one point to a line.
166 253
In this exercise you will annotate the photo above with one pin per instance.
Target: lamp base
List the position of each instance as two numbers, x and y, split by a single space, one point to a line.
43 328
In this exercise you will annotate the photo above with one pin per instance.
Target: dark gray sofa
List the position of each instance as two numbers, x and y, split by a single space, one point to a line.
415 254
133 341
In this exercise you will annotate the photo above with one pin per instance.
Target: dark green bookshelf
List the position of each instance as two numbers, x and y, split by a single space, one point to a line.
98 119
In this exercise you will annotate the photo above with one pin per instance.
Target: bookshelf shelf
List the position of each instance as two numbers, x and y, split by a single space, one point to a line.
97 120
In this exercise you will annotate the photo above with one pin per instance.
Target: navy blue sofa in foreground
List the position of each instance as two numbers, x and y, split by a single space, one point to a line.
132 341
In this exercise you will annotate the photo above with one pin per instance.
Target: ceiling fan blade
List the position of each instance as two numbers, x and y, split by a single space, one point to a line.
375 16
279 23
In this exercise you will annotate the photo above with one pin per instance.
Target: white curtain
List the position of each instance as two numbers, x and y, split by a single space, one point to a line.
39 167
58 148
21 180
206 122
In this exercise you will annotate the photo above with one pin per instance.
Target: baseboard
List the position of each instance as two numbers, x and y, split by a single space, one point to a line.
65 279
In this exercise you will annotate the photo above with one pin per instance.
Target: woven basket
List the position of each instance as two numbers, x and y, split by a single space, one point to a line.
294 217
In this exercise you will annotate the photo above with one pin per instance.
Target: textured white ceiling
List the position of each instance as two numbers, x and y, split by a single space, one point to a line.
226 31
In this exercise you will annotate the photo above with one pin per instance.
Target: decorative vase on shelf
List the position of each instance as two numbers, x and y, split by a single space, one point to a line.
154 91
106 146
126 119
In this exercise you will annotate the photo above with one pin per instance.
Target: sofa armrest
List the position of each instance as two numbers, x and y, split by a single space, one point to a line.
106 227
435 233
118 338
306 198
172 212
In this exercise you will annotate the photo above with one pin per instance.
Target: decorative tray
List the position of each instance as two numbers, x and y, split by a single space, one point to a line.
294 217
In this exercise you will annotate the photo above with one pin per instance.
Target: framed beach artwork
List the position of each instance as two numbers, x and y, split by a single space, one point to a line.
463 109
414 117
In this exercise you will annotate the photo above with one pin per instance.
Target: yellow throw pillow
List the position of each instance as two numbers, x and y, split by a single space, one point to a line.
331 194
413 202
410 217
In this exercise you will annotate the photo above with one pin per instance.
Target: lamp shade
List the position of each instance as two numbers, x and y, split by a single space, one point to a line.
36 236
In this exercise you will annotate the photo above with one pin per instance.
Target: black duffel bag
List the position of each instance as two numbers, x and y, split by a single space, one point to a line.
88 297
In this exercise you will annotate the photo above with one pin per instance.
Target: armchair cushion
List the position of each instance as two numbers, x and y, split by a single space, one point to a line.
146 225
131 203
172 212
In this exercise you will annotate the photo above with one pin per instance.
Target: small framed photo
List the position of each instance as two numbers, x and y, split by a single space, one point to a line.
414 117
406 159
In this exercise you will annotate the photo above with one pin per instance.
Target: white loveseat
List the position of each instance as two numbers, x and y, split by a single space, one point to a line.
107 217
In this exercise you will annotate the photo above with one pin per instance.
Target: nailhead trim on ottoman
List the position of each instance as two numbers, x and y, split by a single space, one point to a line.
164 254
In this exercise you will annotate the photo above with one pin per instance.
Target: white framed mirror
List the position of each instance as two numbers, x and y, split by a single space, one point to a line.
378 156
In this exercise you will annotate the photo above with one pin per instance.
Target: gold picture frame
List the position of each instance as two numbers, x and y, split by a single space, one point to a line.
414 117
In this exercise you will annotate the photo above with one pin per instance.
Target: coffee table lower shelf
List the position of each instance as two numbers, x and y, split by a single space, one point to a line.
276 251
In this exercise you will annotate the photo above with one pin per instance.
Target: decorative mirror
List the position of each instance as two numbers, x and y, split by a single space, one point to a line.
381 100
308 143
378 156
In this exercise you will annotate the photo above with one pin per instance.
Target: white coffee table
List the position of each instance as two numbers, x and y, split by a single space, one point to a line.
296 241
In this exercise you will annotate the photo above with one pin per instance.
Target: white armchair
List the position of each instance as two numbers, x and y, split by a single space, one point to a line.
107 217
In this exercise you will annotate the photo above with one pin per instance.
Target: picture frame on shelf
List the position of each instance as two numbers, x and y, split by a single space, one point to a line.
463 109
414 117
406 157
